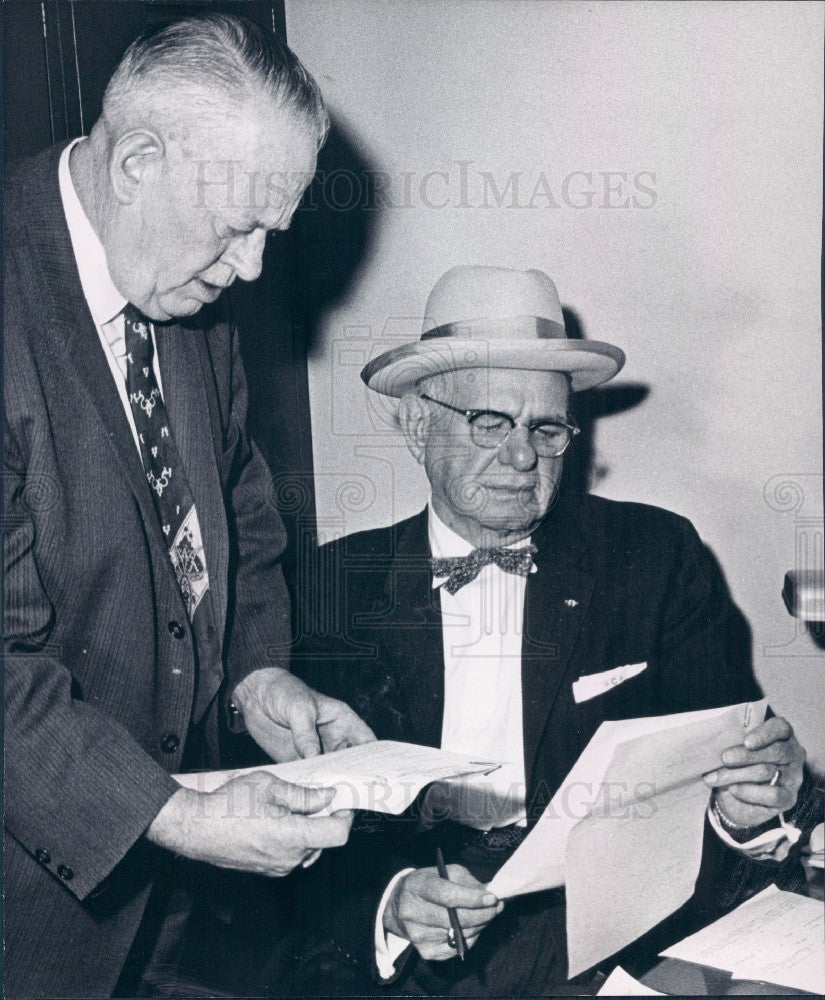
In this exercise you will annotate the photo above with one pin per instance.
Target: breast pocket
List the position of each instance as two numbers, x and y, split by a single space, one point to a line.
624 692
594 685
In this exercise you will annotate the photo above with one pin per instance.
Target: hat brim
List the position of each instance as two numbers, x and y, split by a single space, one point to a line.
398 371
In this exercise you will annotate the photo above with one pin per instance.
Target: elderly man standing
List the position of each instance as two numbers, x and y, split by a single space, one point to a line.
143 588
468 626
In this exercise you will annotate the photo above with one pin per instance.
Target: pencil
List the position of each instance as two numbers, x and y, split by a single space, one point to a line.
455 923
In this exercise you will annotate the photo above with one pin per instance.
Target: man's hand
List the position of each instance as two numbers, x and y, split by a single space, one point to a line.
417 910
747 789
255 823
290 720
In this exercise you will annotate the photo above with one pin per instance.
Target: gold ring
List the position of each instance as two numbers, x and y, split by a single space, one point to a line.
775 778
451 939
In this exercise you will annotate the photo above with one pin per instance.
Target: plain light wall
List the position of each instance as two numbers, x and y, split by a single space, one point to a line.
662 162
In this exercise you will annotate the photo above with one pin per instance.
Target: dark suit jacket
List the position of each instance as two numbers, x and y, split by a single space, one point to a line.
99 677
645 590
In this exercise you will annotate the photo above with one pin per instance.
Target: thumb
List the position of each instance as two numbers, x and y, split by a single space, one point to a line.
298 798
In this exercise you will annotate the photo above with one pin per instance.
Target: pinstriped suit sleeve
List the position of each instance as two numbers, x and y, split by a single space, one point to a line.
69 769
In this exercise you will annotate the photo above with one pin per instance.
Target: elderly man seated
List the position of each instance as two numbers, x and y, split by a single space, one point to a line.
467 625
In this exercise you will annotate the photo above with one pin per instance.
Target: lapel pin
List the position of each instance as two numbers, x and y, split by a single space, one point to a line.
571 602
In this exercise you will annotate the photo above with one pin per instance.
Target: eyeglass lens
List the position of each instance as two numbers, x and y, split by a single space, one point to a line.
490 430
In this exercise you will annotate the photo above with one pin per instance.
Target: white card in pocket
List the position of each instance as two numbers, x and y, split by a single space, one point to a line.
592 685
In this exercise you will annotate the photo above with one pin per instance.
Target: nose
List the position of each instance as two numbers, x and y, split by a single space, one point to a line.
245 254
518 451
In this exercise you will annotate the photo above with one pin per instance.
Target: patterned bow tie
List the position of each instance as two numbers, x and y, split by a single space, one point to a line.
461 570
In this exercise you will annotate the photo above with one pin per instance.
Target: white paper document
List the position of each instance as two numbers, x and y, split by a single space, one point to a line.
776 937
624 831
621 984
816 847
383 776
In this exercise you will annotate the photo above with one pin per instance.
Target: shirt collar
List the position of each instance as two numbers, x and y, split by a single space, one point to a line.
446 544
104 300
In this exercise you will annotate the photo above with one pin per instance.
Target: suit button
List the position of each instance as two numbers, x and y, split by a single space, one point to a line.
65 873
42 855
169 743
177 630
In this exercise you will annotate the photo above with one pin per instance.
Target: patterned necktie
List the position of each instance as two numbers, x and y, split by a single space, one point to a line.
461 570
171 494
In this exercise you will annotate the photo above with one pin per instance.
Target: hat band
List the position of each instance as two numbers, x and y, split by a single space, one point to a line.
543 328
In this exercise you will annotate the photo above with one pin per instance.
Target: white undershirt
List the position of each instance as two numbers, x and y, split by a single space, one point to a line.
105 302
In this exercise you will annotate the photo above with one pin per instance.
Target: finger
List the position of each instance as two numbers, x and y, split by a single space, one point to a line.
249 795
443 893
428 921
756 774
322 831
769 796
423 921
434 921
436 952
299 798
301 718
359 731
476 920
340 726
307 862
770 731
776 753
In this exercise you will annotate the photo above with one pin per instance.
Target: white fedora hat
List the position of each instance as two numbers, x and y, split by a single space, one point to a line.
493 317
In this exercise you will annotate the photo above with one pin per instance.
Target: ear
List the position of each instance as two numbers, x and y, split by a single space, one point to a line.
134 156
414 420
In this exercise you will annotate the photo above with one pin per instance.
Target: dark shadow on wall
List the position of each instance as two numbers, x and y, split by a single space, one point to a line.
581 470
816 631
308 270
334 230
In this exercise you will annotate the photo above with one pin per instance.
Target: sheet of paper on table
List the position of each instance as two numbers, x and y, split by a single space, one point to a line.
383 776
621 984
624 831
776 937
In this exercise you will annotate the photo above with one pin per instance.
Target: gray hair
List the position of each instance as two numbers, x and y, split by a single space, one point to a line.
219 54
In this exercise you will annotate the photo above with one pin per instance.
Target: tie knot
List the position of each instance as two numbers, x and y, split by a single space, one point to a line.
461 570
137 332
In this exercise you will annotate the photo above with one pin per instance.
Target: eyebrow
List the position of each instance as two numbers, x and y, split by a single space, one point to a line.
494 409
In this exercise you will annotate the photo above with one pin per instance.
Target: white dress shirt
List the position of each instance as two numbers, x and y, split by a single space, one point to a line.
481 631
105 302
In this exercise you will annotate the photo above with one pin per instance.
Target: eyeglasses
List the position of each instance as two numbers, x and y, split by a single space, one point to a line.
490 429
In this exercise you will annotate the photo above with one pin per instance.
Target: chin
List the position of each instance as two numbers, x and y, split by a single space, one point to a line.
509 525
178 310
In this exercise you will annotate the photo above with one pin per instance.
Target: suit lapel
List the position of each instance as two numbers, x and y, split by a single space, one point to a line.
557 599
74 334
411 631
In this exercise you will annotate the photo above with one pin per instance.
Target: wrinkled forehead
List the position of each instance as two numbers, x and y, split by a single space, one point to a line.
506 389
